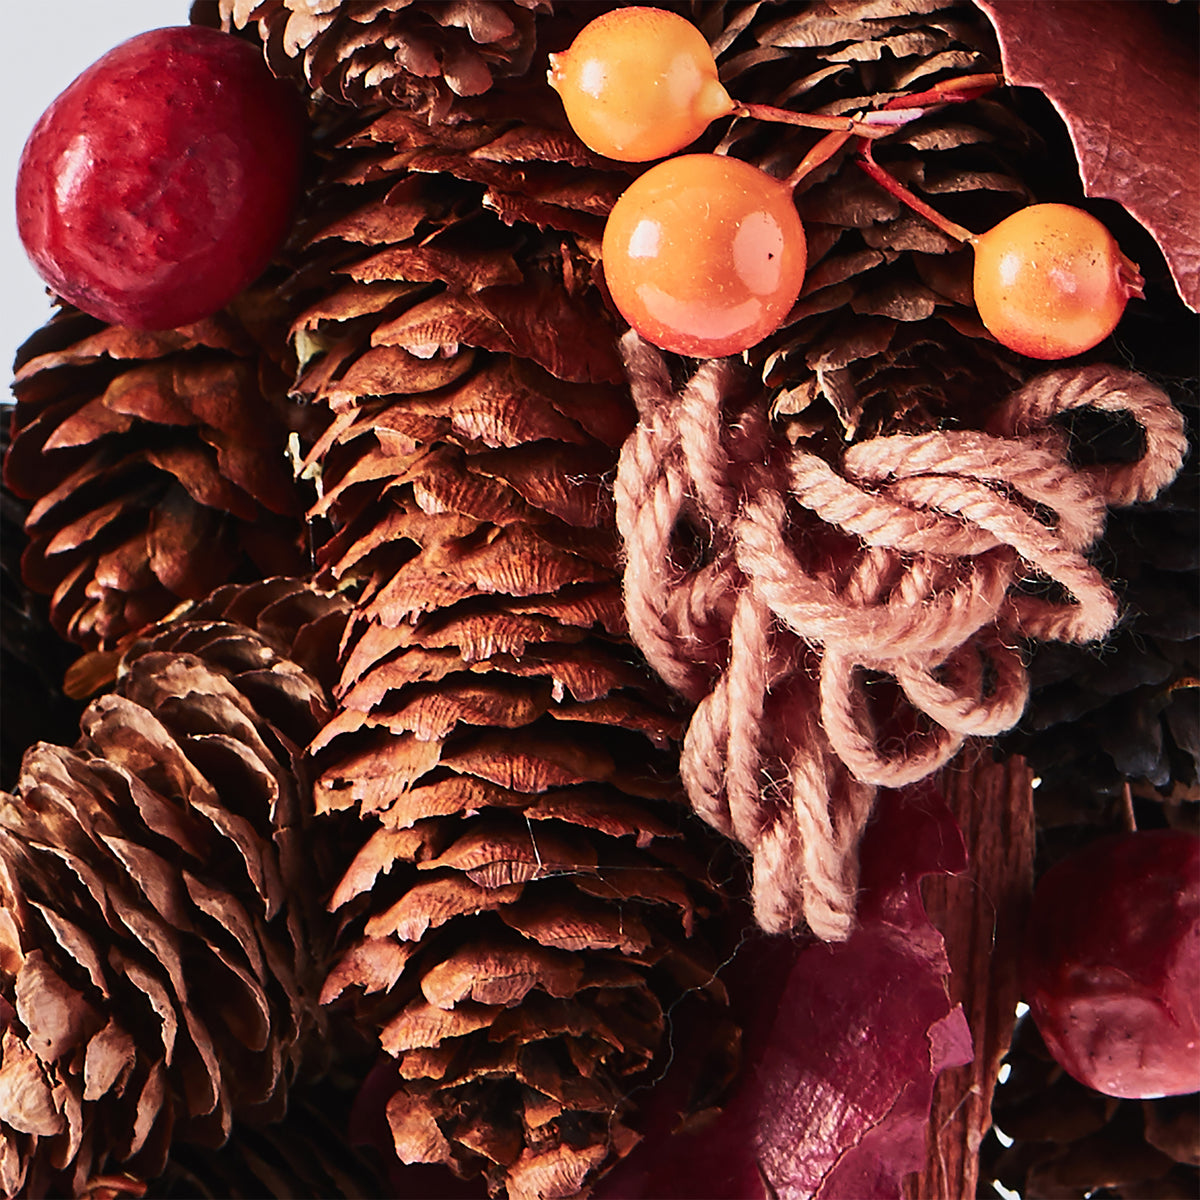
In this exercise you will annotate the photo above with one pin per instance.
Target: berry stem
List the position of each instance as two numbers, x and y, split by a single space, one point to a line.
867 126
949 91
891 184
824 150
864 125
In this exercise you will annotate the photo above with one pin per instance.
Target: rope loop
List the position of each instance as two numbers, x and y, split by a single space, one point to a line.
847 624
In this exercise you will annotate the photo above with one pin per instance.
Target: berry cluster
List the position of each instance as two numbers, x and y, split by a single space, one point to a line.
705 255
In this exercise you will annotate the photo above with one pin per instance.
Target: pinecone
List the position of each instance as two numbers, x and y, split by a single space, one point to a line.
420 56
884 337
1125 713
1072 1142
305 1155
161 941
135 448
517 923
32 658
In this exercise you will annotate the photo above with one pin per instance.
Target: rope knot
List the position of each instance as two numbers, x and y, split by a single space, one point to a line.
846 626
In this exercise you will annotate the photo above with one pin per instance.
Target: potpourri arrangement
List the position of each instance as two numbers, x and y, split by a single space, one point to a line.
595 597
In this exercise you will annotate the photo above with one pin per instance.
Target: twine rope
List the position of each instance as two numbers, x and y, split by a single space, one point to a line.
821 584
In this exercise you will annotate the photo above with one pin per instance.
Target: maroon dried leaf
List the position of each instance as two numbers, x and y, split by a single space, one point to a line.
1126 88
843 1044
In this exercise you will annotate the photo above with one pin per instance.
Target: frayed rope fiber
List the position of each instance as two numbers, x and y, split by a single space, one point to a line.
844 626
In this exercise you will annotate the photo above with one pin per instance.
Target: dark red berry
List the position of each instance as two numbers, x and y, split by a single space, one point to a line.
1112 964
163 179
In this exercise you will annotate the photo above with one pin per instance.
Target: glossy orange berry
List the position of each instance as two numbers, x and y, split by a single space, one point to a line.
638 84
1051 281
704 254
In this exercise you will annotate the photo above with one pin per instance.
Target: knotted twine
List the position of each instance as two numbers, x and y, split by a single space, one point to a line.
846 625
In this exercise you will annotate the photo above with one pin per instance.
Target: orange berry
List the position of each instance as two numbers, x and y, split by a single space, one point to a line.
704 254
639 84
1051 281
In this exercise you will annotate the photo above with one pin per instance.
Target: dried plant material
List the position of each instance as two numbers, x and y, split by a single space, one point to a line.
511 758
422 56
505 761
815 1115
164 943
981 915
135 449
1123 84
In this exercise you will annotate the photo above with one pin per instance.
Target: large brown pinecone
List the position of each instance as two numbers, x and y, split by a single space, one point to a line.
162 938
884 337
521 913
518 923
137 448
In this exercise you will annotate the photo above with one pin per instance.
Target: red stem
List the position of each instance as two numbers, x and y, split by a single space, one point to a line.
785 116
949 91
890 184
824 150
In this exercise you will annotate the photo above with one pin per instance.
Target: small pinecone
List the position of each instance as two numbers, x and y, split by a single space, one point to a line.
305 1156
33 659
419 55
1072 1142
1127 711
156 467
161 946
518 922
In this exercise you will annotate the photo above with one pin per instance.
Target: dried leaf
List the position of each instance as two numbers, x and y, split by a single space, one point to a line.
1127 89
843 1044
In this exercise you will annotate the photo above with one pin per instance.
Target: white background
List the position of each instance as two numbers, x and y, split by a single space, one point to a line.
49 43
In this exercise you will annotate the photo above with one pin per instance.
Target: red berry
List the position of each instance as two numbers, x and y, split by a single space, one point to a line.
163 179
704 254
1051 281
639 83
1112 964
